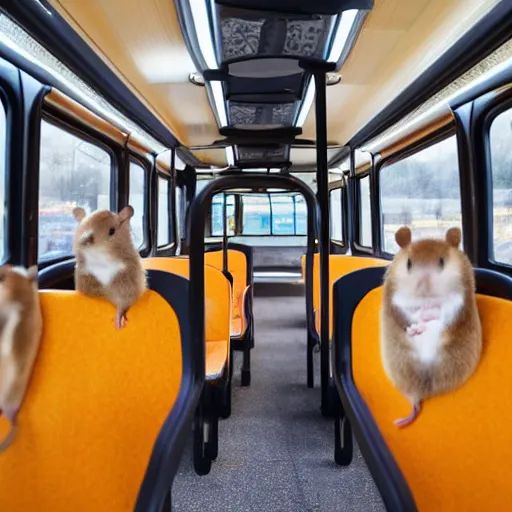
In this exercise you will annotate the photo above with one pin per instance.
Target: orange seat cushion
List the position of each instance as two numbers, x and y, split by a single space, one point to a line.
456 455
339 265
94 406
217 306
237 267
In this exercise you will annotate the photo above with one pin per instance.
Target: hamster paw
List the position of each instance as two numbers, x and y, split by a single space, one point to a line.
415 329
121 319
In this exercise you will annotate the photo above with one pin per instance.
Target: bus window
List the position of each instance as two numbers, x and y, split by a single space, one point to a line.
421 191
501 158
164 233
180 227
72 172
137 200
256 215
336 212
301 215
218 214
3 123
365 214
283 217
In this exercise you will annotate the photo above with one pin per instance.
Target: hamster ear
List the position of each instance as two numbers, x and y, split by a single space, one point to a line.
78 213
453 237
403 237
126 213
32 273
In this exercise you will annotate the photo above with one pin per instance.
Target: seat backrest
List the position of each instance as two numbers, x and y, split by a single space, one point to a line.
237 267
217 293
339 265
456 455
98 400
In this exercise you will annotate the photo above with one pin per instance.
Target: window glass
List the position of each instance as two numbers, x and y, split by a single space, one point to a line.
3 123
164 235
72 172
421 191
336 212
283 215
180 223
137 201
256 216
500 139
365 215
301 215
218 214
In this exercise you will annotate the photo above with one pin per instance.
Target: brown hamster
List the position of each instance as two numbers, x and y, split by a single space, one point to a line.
107 263
431 337
20 337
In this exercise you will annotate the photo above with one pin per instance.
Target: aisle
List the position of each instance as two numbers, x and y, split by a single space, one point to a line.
276 450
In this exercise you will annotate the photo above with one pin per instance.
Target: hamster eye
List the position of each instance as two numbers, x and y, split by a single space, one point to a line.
111 231
441 263
409 264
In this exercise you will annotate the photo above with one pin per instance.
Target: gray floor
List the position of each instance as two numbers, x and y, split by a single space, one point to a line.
276 450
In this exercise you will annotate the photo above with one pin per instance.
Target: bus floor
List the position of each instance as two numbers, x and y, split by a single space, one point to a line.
276 450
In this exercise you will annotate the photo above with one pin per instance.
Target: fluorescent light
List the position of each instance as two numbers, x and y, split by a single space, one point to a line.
218 100
306 104
340 39
203 32
230 155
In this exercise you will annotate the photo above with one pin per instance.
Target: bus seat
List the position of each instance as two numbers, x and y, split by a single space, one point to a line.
217 310
237 267
457 454
216 397
339 265
102 406
240 266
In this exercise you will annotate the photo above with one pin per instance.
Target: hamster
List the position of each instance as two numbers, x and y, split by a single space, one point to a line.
20 336
107 263
431 336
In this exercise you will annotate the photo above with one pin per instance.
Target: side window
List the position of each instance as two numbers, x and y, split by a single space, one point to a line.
164 234
137 200
180 228
421 191
218 214
500 139
3 132
256 215
336 212
72 172
365 214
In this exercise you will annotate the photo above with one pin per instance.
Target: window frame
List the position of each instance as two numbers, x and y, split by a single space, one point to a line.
145 248
424 143
168 246
488 108
80 130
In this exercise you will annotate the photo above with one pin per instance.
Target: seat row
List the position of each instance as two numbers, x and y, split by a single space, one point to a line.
107 412
456 454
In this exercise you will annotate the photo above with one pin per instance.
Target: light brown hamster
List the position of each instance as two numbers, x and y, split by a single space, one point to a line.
107 263
20 336
431 337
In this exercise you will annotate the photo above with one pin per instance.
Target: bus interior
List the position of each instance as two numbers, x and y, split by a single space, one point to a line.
270 151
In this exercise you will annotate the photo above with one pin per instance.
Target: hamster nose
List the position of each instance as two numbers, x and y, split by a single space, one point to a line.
424 283
88 239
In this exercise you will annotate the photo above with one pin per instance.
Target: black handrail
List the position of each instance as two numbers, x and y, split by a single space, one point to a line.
196 243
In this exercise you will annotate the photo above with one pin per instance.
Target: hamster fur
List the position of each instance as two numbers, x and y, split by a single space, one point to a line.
107 263
431 336
20 337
